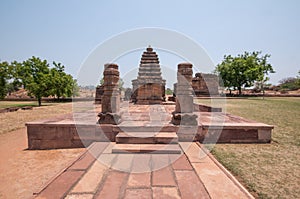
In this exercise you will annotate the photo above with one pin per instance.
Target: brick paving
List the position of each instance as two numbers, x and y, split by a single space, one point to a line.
192 174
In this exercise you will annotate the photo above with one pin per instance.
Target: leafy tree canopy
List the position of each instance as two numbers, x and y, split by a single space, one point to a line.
37 81
36 76
4 76
244 70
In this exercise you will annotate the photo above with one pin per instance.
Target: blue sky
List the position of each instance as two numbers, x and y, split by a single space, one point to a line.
67 31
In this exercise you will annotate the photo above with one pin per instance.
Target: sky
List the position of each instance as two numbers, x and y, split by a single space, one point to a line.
69 31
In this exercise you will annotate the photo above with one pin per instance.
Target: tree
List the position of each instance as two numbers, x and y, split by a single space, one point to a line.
4 76
62 84
169 91
20 74
290 83
298 79
38 81
243 70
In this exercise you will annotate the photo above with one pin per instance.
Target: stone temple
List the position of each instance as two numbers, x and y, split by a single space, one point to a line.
149 87
149 125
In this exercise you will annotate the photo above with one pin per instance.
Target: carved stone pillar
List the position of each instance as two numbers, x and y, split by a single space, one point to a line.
183 114
111 96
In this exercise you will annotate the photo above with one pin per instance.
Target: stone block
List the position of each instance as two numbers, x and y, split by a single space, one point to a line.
109 118
188 119
194 188
264 135
163 177
61 185
113 185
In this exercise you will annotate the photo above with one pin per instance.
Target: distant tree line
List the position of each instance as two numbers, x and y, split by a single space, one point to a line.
290 83
38 78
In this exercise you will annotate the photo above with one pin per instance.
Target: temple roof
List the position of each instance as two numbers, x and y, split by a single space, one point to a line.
149 69
149 56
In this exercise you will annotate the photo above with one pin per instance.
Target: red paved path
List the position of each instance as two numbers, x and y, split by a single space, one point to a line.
194 174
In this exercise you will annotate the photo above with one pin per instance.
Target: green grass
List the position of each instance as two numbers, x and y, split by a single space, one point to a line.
15 120
267 170
7 104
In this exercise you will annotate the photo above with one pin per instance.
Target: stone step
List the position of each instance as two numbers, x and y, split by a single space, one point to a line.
132 127
147 148
147 138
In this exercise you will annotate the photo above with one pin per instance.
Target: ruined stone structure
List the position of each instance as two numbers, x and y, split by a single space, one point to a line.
205 84
99 94
183 114
147 129
111 96
149 87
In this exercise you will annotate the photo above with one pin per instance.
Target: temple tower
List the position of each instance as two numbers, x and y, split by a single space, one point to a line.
149 87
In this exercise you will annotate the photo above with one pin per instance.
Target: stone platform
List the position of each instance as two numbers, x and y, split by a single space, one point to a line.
213 127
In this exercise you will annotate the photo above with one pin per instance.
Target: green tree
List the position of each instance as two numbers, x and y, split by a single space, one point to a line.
75 91
169 91
63 85
20 74
4 76
244 70
298 78
38 80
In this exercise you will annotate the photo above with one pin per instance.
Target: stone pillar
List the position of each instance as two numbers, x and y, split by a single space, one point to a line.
99 94
183 114
111 96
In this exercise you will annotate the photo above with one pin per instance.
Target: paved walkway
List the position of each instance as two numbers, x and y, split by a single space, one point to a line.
192 174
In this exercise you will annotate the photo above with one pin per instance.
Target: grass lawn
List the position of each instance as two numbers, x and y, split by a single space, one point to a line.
14 120
7 104
267 170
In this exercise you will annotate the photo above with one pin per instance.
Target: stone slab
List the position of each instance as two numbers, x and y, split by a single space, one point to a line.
147 148
163 177
138 194
147 138
91 179
194 188
165 193
113 185
61 185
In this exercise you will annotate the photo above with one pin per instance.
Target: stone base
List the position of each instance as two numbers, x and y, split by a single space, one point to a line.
148 102
184 119
109 118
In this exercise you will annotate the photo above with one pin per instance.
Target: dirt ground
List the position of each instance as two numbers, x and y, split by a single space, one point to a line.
23 172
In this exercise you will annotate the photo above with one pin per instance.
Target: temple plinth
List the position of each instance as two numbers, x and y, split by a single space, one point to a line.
149 87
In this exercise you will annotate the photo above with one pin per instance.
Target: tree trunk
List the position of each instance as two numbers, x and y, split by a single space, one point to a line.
40 101
240 90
